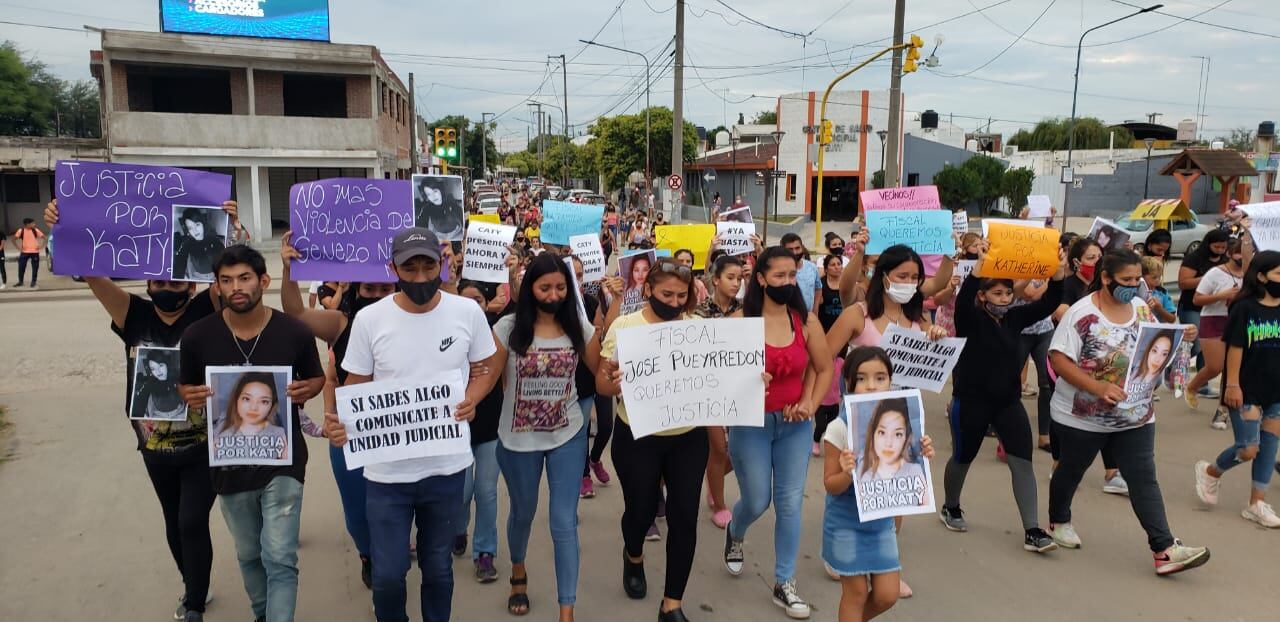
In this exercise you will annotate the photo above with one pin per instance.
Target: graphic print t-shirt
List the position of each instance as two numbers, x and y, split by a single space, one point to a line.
1255 327
1102 349
540 406
143 328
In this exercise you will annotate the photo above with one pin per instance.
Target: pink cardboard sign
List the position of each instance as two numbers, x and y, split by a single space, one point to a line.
911 198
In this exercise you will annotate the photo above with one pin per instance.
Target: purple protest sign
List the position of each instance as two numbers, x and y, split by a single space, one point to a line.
116 219
342 228
909 198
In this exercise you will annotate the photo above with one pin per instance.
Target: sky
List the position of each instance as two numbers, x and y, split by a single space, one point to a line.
1009 61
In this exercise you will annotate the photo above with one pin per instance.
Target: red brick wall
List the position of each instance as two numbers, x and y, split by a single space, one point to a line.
359 97
120 88
268 92
239 92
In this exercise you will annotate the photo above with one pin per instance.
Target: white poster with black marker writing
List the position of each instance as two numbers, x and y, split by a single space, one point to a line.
735 237
485 257
918 361
389 420
586 248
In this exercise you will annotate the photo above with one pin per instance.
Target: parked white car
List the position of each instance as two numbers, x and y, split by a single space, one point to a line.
1187 234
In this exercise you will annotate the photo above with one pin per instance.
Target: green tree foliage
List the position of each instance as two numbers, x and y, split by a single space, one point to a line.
1015 187
1240 139
34 102
711 137
621 148
1054 135
989 172
470 141
957 186
877 179
765 117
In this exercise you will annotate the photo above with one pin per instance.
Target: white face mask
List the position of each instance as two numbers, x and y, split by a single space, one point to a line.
901 293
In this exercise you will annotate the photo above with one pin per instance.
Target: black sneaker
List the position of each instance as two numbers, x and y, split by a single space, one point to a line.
193 616
1038 541
953 519
733 554
675 615
633 581
785 596
460 545
366 572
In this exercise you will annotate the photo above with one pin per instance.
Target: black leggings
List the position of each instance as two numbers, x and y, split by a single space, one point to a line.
971 418
823 417
186 496
604 430
1108 460
1037 347
643 466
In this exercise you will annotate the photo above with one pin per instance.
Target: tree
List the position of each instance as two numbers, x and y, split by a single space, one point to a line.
711 137
1053 135
989 173
1015 186
24 109
877 179
622 145
1240 139
765 117
469 140
957 186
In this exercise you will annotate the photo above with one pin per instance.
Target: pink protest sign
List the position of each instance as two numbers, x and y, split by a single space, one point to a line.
912 198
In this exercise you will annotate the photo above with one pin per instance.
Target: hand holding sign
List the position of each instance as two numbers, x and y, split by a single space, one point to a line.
485 255
390 420
735 237
342 228
1018 252
928 232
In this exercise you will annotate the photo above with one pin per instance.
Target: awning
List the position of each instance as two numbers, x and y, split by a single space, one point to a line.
1162 209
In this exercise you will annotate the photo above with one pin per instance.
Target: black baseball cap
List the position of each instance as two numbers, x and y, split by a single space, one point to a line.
414 242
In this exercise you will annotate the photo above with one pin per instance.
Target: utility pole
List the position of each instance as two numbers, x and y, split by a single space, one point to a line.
893 173
677 113
564 76
484 144
413 128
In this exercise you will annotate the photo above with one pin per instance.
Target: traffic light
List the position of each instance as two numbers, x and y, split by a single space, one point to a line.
451 144
439 149
913 54
825 131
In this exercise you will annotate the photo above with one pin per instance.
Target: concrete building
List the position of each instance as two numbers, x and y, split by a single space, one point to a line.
27 164
271 113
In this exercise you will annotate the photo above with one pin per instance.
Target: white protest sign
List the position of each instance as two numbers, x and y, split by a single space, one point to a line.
390 420
735 237
891 475
1010 221
586 247
962 270
960 222
1038 206
692 373
919 362
1264 225
485 259
577 288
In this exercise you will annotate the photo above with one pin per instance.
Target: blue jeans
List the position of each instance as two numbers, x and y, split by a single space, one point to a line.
1193 318
522 470
351 490
1249 433
264 525
393 509
482 485
772 462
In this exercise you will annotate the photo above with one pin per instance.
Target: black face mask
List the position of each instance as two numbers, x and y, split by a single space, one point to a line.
550 306
1272 288
664 310
420 293
780 293
970 255
836 250
361 302
168 300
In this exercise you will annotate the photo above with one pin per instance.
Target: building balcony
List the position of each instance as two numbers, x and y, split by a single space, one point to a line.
217 131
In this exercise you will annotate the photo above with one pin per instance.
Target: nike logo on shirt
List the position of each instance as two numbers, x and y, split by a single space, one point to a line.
446 343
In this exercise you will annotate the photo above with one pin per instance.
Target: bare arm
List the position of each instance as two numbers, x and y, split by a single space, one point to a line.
942 279
1068 370
325 324
1187 278
818 376
847 328
835 477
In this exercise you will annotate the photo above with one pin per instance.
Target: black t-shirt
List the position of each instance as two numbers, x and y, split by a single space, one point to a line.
143 328
1073 289
831 307
583 379
1255 328
1201 264
284 341
484 426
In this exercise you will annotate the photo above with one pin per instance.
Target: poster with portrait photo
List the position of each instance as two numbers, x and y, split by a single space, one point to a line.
1107 234
1153 352
155 394
249 415
737 214
200 232
438 206
634 269
892 475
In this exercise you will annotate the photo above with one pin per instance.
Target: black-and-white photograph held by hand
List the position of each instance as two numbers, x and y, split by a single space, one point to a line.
437 205
199 234
155 386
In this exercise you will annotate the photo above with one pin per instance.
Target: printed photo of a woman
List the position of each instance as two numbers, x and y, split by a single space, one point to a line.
634 269
1155 347
890 449
250 421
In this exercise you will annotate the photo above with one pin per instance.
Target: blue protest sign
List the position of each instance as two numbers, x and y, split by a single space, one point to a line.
342 228
928 232
561 221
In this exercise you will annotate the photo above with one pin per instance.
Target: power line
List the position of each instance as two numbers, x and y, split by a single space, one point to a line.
1192 19
761 24
1007 47
79 30
1182 20
72 13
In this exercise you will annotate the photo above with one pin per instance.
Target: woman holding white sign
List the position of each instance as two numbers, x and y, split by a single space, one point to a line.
773 460
676 457
726 282
542 422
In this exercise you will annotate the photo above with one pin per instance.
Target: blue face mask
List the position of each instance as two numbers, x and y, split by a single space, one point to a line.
1123 294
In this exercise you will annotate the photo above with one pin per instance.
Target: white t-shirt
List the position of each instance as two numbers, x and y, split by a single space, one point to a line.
1216 281
315 287
540 398
837 434
388 342
1102 349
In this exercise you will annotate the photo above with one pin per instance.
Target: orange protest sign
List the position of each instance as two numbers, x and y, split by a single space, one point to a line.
1019 252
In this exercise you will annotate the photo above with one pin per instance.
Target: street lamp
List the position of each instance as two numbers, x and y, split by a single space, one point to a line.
564 172
1075 90
883 134
733 144
1146 184
648 179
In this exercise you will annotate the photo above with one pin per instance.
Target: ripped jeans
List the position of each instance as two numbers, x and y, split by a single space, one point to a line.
1249 432
264 525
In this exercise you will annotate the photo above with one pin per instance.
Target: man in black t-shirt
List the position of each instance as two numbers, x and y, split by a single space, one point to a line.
261 504
174 453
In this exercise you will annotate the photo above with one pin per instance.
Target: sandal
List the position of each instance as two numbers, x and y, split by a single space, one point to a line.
518 604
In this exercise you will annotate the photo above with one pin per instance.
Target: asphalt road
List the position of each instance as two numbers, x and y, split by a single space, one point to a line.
82 535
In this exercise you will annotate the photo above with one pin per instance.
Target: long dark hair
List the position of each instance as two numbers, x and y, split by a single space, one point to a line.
753 301
1159 236
1262 263
889 259
527 306
1111 263
1077 251
1202 252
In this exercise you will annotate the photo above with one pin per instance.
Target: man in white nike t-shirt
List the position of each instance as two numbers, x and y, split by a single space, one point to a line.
413 334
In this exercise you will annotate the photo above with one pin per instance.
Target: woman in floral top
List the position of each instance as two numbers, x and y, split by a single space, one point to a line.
726 279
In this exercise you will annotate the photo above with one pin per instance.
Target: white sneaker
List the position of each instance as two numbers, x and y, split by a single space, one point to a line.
785 596
1065 535
1219 421
1207 485
1262 513
1116 486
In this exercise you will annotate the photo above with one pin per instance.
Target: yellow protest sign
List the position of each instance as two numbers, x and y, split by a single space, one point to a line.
696 238
489 218
1019 252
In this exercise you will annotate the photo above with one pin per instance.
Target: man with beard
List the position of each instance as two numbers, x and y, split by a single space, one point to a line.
409 336
261 504
195 246
175 453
